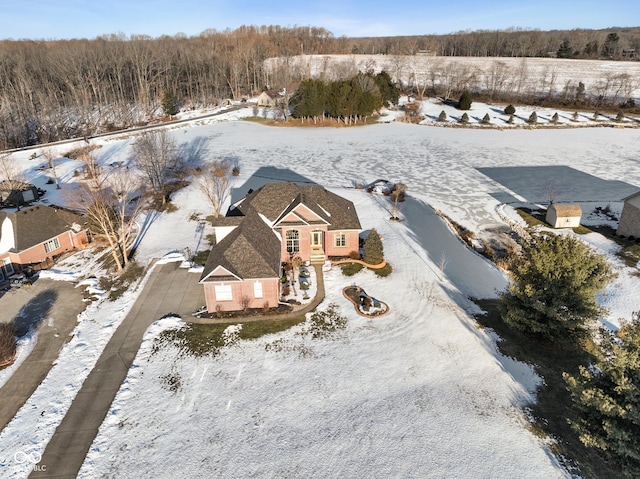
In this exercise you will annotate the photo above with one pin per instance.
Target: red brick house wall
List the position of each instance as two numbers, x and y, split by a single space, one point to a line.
240 289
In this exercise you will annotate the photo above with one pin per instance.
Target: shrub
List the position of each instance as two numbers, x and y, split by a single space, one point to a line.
510 120
349 269
373 249
322 324
620 116
510 110
7 342
464 119
533 118
354 255
554 118
575 116
486 119
236 170
383 272
304 285
442 116
465 101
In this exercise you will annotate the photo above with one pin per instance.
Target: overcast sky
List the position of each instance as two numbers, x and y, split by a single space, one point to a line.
53 19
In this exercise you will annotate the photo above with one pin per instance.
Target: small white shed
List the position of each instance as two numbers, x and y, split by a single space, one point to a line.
564 216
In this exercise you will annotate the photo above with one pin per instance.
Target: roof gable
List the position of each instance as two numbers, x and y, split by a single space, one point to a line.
566 210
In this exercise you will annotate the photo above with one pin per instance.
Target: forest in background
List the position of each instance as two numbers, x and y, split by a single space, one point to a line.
59 89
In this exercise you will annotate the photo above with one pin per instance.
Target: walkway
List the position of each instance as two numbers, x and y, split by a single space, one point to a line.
53 307
68 447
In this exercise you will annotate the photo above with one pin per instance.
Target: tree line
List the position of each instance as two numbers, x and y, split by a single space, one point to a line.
53 90
348 100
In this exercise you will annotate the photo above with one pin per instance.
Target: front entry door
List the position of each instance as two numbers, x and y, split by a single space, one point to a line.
316 239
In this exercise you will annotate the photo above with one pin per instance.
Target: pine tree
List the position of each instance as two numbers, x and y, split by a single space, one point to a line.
510 120
553 288
565 50
464 118
620 116
533 118
372 248
554 118
169 103
510 110
486 119
442 116
607 396
465 101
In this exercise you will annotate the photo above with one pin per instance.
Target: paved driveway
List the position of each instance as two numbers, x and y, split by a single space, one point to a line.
53 308
170 289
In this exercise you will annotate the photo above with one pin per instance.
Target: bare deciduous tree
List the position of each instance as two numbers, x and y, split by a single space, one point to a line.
551 191
50 157
113 210
10 171
215 184
154 154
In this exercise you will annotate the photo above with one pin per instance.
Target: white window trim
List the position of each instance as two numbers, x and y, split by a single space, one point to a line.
258 292
223 292
52 242
8 267
337 240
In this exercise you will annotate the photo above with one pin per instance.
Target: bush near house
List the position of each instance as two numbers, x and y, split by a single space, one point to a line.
7 342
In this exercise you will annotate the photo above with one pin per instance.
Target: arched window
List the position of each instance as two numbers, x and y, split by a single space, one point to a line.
293 241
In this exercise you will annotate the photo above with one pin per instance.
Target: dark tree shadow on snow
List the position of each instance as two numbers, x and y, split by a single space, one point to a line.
195 152
264 175
34 312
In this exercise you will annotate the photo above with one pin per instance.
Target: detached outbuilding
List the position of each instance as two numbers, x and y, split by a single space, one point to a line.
630 219
564 216
17 193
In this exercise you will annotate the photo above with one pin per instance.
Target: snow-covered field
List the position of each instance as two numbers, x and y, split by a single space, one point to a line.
513 73
421 392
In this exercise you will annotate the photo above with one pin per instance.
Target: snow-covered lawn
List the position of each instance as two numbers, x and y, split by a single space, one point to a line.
420 392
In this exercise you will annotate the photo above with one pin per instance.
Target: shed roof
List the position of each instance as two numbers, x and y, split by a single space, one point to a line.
566 210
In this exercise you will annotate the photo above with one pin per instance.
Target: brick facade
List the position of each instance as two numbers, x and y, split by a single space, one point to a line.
630 218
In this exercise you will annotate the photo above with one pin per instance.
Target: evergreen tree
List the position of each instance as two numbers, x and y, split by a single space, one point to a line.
607 396
389 91
486 119
169 103
442 116
372 248
533 118
464 118
465 101
620 116
565 50
553 287
510 110
510 120
554 118
610 47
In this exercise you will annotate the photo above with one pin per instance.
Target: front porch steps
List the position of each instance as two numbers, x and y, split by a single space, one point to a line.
317 257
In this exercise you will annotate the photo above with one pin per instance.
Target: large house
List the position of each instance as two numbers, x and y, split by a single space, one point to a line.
37 234
630 218
268 227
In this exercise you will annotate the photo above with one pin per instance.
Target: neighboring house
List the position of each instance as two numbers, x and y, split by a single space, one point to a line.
564 216
268 227
37 234
630 219
16 193
268 98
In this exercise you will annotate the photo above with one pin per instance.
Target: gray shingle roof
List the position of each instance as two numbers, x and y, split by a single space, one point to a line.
37 224
275 199
251 250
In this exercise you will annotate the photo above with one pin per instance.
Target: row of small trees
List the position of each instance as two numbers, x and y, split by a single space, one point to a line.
552 298
348 100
